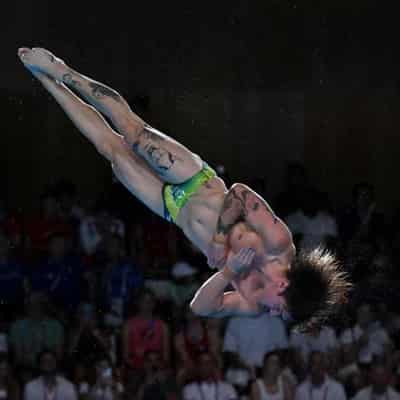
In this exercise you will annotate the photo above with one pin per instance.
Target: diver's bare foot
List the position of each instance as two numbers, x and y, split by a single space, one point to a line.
42 60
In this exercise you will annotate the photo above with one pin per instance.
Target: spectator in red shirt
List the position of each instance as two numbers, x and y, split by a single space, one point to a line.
191 341
145 332
49 221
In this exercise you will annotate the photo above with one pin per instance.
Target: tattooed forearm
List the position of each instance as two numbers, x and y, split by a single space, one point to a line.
232 211
99 91
252 203
69 80
238 204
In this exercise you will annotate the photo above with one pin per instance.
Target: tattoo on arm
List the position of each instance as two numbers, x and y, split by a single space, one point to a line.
232 211
99 91
257 203
237 206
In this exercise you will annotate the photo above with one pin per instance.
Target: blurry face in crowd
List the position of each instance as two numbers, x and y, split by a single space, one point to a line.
364 315
3 370
101 367
207 367
153 362
147 303
114 248
272 366
363 197
4 246
57 248
35 306
87 316
50 207
317 368
379 378
48 364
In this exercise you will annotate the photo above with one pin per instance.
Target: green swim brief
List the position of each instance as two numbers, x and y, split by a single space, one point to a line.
176 196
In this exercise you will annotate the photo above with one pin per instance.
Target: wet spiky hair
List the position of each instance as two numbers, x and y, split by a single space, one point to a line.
318 286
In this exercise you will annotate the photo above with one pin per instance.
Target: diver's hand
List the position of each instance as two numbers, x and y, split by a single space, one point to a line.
240 261
216 255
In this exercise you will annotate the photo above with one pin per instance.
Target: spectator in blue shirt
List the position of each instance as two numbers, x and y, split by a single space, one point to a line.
121 278
11 279
59 275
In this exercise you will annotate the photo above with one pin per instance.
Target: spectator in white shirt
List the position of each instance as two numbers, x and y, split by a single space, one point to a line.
49 385
321 339
349 365
105 387
379 388
368 336
252 337
208 385
96 227
272 385
311 225
319 385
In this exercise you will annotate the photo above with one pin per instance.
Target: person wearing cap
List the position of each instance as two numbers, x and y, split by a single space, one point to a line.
184 284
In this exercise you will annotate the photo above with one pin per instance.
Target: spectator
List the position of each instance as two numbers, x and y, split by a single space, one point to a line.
35 332
49 385
41 227
319 385
321 339
12 280
145 332
252 337
120 280
81 382
360 227
370 339
105 387
349 365
59 275
354 384
11 225
272 385
96 227
191 341
87 342
290 200
9 388
379 388
208 384
311 225
160 245
4 325
238 375
184 283
69 208
157 380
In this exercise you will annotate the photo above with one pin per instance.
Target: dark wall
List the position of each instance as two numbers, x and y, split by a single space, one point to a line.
250 85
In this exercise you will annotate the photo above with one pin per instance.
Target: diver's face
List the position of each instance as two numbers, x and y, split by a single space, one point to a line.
265 287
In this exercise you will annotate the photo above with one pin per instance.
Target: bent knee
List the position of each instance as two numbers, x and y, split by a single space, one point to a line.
129 125
112 149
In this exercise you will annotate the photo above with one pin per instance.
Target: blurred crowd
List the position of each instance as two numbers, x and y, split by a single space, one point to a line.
94 304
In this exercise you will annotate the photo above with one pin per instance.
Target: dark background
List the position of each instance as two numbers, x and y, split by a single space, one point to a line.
250 85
